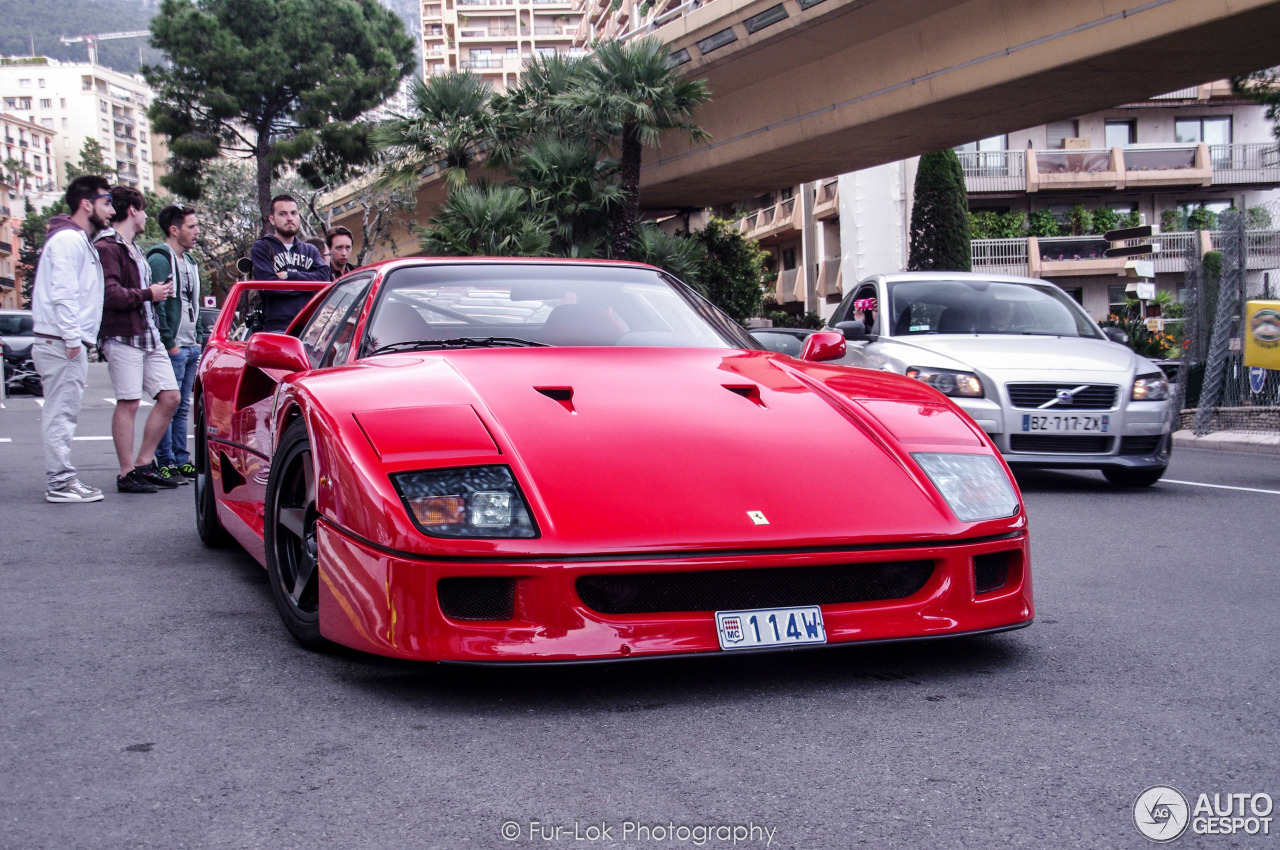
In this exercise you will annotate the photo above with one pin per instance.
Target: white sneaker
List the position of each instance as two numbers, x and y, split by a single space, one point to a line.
74 491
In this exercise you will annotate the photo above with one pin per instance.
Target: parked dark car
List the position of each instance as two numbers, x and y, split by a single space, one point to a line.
17 334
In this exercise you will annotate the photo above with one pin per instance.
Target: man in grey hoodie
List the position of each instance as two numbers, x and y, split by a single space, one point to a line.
66 306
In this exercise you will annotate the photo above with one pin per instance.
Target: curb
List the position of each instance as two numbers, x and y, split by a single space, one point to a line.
1232 441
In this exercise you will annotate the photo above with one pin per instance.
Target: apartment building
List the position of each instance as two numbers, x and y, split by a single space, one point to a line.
79 101
1176 160
494 38
10 296
28 161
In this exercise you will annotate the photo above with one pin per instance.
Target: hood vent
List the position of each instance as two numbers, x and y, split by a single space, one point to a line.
563 395
750 392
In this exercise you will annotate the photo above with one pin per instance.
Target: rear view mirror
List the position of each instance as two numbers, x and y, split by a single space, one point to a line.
853 331
277 351
1116 335
823 346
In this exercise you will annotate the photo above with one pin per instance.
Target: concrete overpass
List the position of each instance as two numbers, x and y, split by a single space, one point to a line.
839 85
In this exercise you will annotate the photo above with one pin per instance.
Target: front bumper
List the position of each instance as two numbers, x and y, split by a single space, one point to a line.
1138 436
390 604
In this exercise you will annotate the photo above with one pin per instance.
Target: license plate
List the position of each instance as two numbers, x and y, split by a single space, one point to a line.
770 627
1066 422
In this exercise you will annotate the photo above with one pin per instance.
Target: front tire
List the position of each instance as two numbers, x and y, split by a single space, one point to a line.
210 529
293 568
1123 476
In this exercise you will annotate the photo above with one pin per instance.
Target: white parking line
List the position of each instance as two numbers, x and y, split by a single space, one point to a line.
96 439
1220 486
6 439
145 403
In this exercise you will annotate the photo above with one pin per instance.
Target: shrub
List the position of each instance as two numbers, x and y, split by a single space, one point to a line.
1080 219
1105 219
1257 218
1133 218
1171 221
1202 218
940 216
1043 223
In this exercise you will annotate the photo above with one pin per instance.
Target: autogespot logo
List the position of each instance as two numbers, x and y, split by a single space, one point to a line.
1161 813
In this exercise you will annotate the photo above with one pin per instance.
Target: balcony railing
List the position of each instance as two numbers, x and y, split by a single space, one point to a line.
830 277
1000 256
994 171
1256 163
6 247
7 282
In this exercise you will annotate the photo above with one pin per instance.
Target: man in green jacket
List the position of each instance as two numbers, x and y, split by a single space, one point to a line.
177 318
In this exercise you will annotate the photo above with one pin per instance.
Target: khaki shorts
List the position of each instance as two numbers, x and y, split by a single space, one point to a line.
134 371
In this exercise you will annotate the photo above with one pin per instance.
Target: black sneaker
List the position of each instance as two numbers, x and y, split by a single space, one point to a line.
188 470
134 483
155 475
174 473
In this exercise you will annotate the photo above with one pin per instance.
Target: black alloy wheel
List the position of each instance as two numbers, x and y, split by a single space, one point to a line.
210 529
293 568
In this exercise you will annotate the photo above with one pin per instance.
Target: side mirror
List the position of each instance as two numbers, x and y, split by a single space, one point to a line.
823 346
854 331
1116 335
277 351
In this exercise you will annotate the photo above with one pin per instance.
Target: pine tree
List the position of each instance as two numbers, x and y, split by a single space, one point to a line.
940 216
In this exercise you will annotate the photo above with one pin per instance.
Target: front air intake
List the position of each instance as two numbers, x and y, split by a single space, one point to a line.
477 598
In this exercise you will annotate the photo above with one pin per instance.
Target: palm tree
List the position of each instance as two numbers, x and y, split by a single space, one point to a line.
488 221
449 122
630 94
577 190
526 110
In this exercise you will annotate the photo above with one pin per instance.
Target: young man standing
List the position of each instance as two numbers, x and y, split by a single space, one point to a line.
176 317
339 242
130 340
66 305
282 256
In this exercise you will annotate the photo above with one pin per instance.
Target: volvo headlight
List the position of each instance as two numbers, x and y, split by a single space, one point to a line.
471 501
975 486
948 381
1154 387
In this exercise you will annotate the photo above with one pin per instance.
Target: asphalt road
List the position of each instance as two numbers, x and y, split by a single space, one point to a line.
151 698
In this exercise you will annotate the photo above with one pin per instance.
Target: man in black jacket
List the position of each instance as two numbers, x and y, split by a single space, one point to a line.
283 256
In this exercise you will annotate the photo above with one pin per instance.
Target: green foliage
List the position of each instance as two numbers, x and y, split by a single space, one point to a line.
1202 218
988 224
733 269
1262 87
574 188
1171 221
1257 218
1146 343
628 95
267 79
448 120
1132 218
677 254
93 160
31 241
1043 223
1105 219
487 220
1080 220
783 319
940 215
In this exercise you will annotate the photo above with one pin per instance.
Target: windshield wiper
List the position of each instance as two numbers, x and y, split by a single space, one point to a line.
460 342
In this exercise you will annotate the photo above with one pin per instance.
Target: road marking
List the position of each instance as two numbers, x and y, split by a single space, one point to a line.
6 439
1221 486
145 403
91 438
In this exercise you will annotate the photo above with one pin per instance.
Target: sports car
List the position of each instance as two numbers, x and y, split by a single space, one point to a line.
518 460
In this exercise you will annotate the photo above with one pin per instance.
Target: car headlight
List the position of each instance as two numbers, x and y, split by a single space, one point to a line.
1154 387
470 501
947 381
975 486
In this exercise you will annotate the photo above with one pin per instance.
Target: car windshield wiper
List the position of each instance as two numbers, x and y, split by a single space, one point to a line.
460 342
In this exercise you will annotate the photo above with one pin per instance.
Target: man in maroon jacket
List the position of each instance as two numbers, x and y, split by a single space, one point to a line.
130 340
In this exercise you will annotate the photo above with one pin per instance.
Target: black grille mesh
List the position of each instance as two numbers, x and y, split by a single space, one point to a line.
990 572
1049 444
1139 445
477 598
1031 396
721 590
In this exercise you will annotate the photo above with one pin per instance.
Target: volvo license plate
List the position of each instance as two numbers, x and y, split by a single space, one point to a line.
770 627
1066 423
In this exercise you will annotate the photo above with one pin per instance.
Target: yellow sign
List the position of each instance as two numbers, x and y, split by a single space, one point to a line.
1262 334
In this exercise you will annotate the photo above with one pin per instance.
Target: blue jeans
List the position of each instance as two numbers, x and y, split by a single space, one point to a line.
172 450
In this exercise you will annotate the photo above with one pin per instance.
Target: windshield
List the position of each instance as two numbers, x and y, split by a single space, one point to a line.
510 304
986 307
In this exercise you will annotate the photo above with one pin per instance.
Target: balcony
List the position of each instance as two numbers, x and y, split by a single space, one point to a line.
7 282
826 201
773 224
790 286
994 171
1076 256
830 277
6 247
1234 164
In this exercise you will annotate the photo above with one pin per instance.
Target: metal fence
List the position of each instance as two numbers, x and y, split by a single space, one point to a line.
1215 391
1000 256
1254 163
994 171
